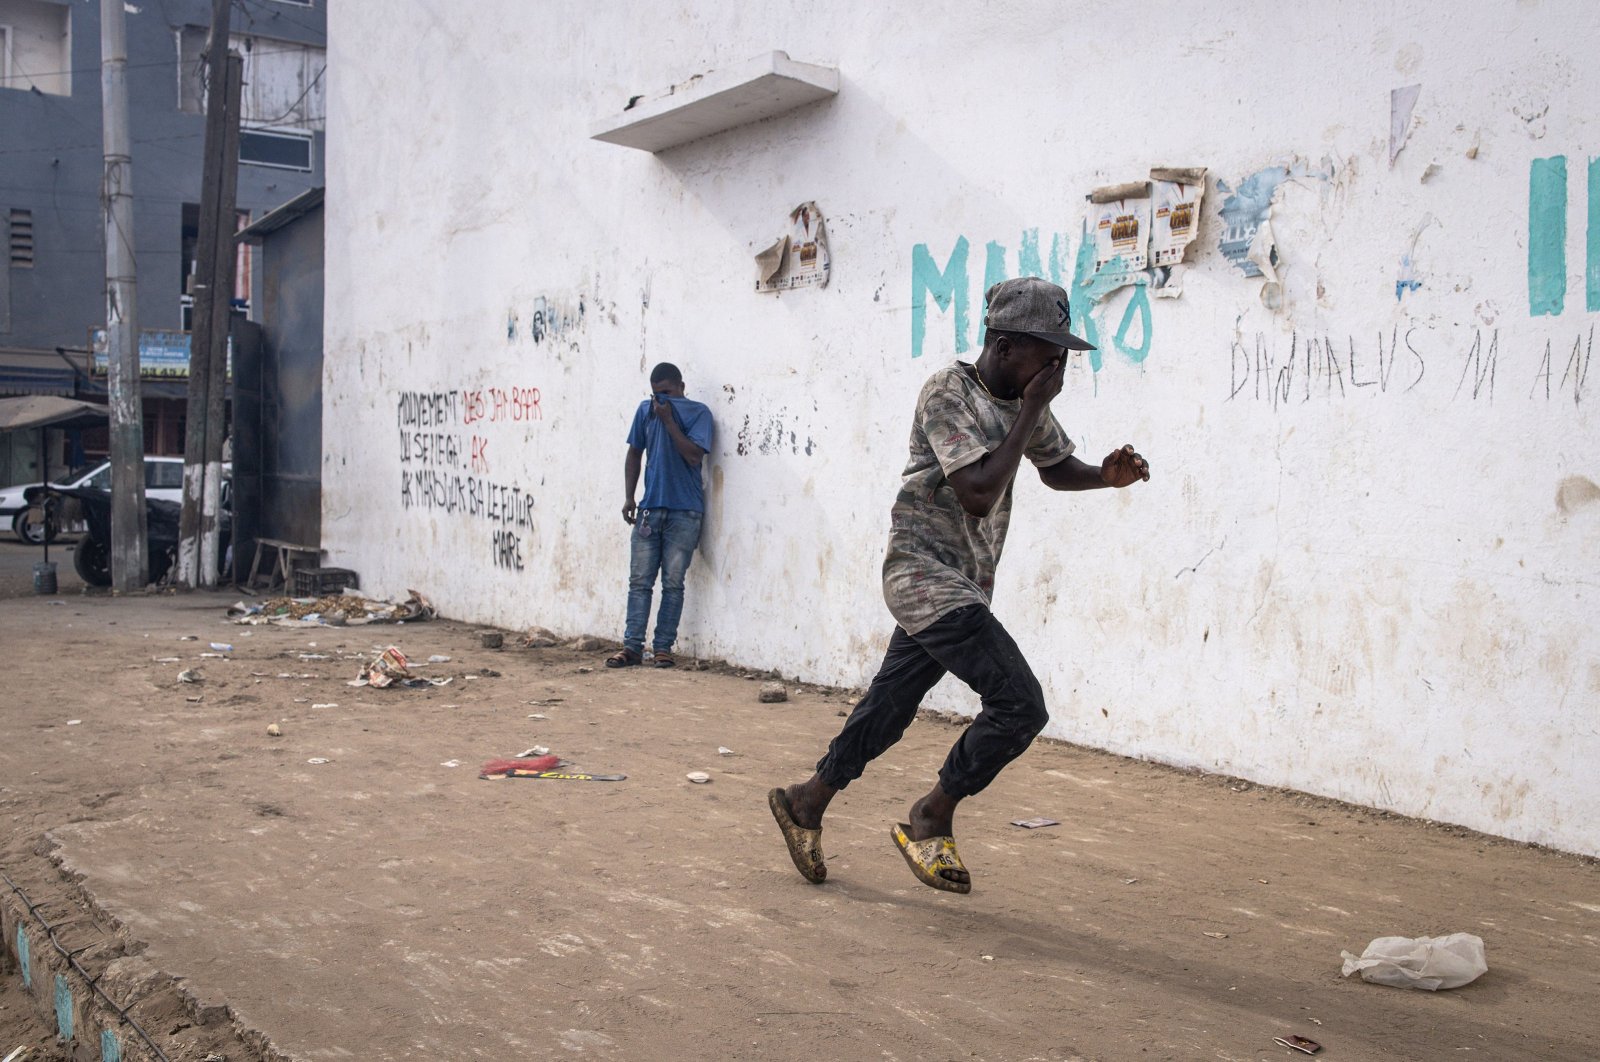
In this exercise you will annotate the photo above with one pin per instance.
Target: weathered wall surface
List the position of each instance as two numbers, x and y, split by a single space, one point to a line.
1366 564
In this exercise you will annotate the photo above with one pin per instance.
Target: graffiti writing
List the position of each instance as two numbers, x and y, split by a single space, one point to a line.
507 550
1304 367
774 433
950 290
446 471
546 320
1317 367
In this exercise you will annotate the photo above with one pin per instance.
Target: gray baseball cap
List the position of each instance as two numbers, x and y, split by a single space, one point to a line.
1035 307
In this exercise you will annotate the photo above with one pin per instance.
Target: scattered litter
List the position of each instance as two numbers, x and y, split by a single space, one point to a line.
18 1055
332 610
723 750
588 643
547 700
313 656
488 672
168 659
537 750
213 656
1130 881
537 715
543 762
1428 963
585 670
389 667
274 730
987 958
74 722
438 658
191 675
1298 1043
539 638
491 639
772 693
1215 936
358 682
562 776
222 647
194 700
319 760
451 763
324 706
698 777
1034 824
188 637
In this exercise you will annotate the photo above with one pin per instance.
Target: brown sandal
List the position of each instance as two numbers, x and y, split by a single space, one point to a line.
623 658
665 659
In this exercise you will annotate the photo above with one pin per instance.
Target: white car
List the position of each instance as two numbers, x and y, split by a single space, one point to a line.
163 478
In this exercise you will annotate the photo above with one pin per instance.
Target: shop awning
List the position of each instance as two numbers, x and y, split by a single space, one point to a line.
29 372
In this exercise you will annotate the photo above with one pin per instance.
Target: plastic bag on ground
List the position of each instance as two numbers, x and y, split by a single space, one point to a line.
1428 963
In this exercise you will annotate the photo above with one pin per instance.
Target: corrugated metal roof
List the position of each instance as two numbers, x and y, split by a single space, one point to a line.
278 217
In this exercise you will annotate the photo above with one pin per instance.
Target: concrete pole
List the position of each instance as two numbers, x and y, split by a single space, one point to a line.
197 426
129 559
221 314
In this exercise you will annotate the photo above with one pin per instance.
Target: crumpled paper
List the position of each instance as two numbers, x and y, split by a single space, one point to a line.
1428 963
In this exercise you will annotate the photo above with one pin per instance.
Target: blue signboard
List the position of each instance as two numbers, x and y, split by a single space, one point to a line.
161 353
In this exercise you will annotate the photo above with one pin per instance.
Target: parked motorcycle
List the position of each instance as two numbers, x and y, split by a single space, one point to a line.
92 557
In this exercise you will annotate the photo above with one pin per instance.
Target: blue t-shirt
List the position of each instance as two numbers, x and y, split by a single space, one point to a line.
670 482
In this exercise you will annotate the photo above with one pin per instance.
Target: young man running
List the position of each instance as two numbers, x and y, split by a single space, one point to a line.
973 425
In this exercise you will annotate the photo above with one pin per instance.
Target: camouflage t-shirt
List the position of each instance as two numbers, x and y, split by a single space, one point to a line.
941 558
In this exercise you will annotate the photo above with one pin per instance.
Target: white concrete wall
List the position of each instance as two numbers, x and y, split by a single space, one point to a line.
1378 585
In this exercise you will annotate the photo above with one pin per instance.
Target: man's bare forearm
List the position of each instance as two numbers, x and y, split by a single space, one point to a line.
1072 474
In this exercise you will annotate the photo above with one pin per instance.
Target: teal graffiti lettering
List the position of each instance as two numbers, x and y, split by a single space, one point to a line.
1086 288
1592 276
1138 304
110 1047
947 285
1547 236
994 271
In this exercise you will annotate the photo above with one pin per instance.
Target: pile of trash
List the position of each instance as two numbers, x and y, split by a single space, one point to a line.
334 610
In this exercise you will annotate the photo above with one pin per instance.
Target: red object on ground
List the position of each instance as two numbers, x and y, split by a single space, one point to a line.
538 763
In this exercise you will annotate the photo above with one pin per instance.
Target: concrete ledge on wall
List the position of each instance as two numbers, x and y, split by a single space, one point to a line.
767 85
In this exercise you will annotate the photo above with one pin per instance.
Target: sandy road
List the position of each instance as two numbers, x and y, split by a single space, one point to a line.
384 906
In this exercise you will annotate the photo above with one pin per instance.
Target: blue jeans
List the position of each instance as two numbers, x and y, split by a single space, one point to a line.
664 540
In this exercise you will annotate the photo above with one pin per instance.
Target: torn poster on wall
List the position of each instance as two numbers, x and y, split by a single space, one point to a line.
1142 230
1247 222
800 258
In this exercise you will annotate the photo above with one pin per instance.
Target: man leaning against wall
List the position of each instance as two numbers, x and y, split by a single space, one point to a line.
669 438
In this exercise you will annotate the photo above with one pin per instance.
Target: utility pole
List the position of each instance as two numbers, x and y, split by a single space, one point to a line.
212 287
226 258
129 563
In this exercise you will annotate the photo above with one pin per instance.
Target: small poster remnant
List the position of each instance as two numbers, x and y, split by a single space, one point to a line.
1120 217
1142 230
1247 221
800 258
1175 196
1402 101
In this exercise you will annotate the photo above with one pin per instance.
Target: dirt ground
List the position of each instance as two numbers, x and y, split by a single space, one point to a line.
388 905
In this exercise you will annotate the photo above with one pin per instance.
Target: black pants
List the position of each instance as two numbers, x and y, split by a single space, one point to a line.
970 644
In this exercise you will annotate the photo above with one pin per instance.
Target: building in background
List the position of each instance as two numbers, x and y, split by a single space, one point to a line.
52 288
